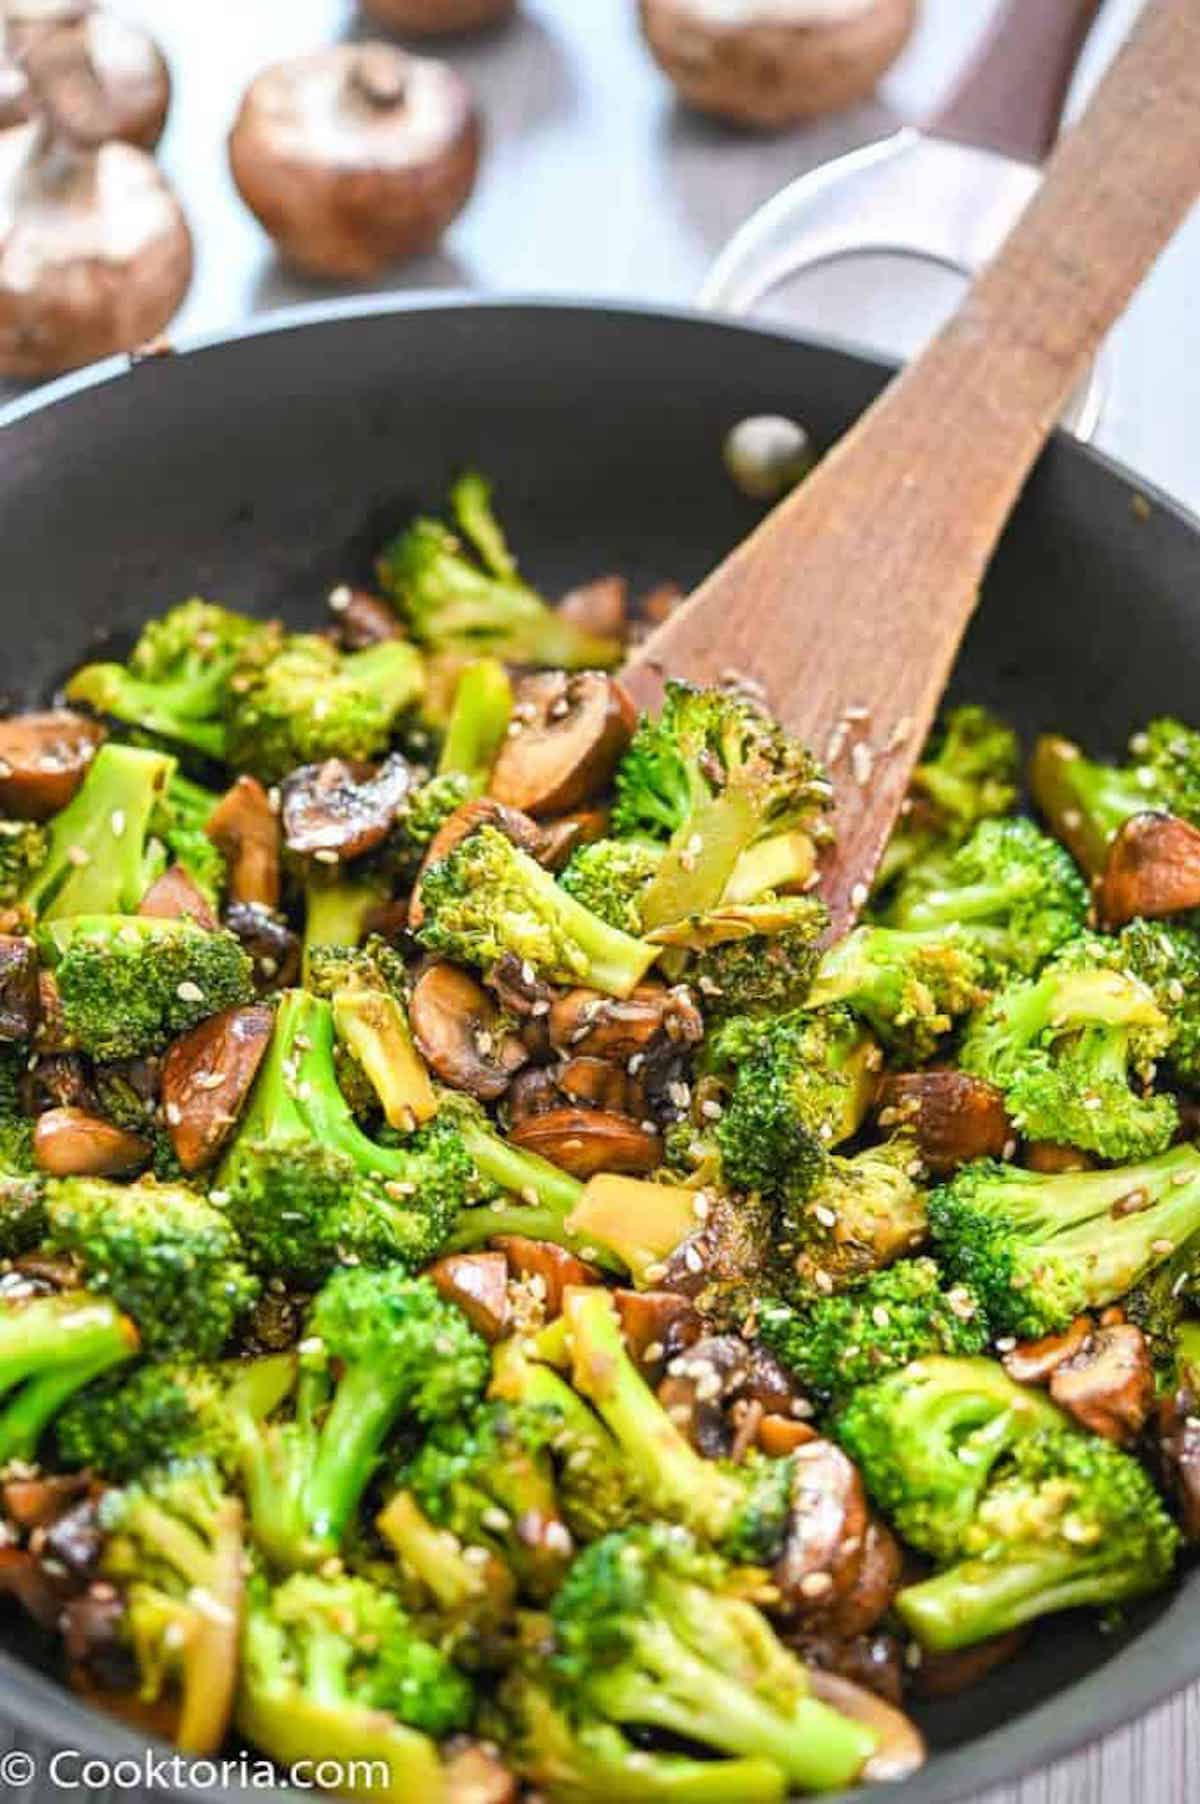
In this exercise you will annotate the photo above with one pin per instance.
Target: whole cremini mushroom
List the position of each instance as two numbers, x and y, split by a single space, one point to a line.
773 62
355 157
433 18
112 78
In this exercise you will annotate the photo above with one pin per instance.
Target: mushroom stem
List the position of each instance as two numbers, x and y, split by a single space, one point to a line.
377 77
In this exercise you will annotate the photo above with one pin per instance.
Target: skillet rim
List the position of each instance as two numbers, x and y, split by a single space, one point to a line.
1140 1675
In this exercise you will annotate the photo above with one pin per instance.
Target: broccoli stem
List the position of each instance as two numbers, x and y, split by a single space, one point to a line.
292 1728
89 867
521 1172
436 1558
1084 804
336 914
700 859
478 722
352 1434
25 1420
978 1599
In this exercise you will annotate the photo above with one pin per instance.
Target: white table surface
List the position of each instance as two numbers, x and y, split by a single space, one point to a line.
596 184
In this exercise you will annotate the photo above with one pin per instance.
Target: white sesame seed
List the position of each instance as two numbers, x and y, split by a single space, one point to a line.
339 598
116 821
187 991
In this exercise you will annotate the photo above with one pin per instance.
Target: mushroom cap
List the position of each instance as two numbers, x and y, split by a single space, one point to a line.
354 157
110 78
430 18
773 62
95 252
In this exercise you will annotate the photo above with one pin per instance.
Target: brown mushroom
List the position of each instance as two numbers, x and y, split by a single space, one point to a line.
1049 1157
482 812
36 1502
339 810
244 829
355 157
718 1390
875 1662
600 607
780 1435
532 1092
1108 1384
206 1078
826 1532
478 1283
550 1269
659 603
597 1084
20 992
568 733
462 1034
112 79
433 18
362 619
175 897
1035 1361
657 1325
1152 869
44 757
273 948
946 1675
587 1141
901 1749
1178 1432
585 1024
954 1116
567 832
71 1143
772 62
95 252
879 1577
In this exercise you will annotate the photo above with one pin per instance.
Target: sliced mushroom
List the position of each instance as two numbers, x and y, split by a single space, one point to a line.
43 760
901 1750
780 1435
954 1116
532 1092
207 1076
657 1326
569 731
550 1269
879 1577
482 812
1178 1425
1047 1156
20 992
58 1080
433 18
600 607
587 1141
946 1675
875 1662
462 1034
174 897
40 1593
111 78
585 1024
362 619
1108 1384
826 1532
356 156
1036 1361
244 829
718 1391
71 1143
1152 869
273 948
339 810
562 836
597 1084
478 1283
39 1501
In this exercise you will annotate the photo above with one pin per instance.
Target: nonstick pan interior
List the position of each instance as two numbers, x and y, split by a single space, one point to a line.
261 470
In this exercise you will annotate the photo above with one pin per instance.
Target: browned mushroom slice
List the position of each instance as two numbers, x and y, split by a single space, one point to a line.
361 618
206 1079
174 897
587 1141
339 810
40 1592
245 831
780 1435
462 1034
273 948
1047 1156
481 812
532 1092
946 1675
1035 1361
876 1662
596 1084
826 1531
879 1577
1178 1430
569 731
550 1269
561 837
588 1025
657 1324
20 992
901 1749
1108 1385
1152 869
70 1143
659 603
478 1283
36 1502
43 758
954 1116
600 607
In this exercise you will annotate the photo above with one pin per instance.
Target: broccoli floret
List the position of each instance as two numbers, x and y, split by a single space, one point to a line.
910 988
162 1252
861 1214
648 1636
488 899
311 702
24 847
969 772
926 1439
764 974
610 876
174 1549
365 989
50 1347
802 1085
715 776
379 1347
464 595
1086 803
20 1185
1040 1248
1071 1521
1065 1049
129 983
333 1669
1165 956
1162 1305
307 1189
478 724
1015 892
838 1343
182 677
424 810
101 857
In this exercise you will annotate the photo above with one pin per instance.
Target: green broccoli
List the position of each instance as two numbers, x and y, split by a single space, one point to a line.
647 1635
838 1343
467 598
304 1185
1069 1521
1085 803
102 857
763 974
20 1185
365 991
181 824
926 1439
487 900
1165 956
173 1548
1040 1248
1065 1049
478 724
162 1252
715 776
910 988
969 772
310 702
1163 1306
610 876
860 1215
50 1348
423 811
129 983
24 848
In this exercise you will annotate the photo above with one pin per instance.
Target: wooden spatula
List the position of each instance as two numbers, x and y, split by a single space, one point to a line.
848 604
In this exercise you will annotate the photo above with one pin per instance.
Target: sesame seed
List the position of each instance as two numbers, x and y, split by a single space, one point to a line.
78 856
816 1584
862 763
187 991
880 1316
116 821
1162 1247
339 598
826 1216
858 895
653 1352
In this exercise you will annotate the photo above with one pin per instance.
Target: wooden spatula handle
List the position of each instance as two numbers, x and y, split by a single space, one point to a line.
854 593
